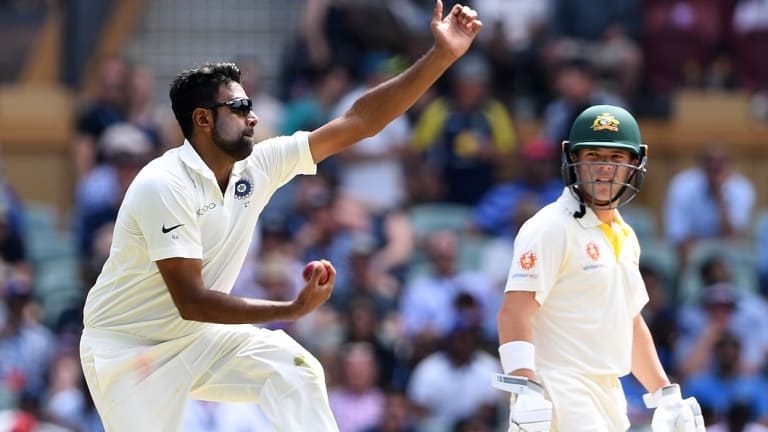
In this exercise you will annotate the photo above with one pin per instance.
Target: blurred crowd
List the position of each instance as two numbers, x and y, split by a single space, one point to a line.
419 220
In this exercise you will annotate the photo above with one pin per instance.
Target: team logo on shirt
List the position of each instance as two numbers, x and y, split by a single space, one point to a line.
605 121
593 251
528 260
243 189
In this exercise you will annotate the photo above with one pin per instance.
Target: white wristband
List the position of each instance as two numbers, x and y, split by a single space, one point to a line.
517 355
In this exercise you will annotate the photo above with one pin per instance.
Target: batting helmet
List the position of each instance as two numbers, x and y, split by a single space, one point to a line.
605 126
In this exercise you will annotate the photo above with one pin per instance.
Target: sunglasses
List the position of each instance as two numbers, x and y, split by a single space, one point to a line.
239 106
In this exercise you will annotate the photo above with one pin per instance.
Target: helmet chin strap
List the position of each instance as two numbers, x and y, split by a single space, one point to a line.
585 199
582 209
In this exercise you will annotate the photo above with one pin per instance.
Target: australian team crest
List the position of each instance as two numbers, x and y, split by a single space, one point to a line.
528 260
243 188
605 121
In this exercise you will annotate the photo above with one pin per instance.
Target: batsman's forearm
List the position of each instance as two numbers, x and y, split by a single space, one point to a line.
646 366
387 101
514 323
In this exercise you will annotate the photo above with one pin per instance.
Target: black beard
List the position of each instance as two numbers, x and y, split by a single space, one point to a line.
238 149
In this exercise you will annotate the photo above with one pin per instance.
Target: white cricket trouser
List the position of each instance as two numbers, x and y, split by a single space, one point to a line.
137 386
585 403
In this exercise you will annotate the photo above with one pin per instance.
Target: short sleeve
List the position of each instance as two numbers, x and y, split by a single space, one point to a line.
283 158
539 253
165 216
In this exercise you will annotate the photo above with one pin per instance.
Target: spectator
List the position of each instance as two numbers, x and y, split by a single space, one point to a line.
313 109
724 385
357 403
429 307
67 402
367 281
761 252
375 163
99 193
462 138
575 90
516 33
13 248
722 309
276 280
271 255
749 34
681 42
340 32
738 420
459 366
711 200
364 324
604 33
26 346
398 416
271 110
141 111
325 236
506 206
108 107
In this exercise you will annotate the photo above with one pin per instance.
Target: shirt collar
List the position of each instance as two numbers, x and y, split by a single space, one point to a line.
192 159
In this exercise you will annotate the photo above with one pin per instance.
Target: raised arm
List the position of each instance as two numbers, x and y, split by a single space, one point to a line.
375 109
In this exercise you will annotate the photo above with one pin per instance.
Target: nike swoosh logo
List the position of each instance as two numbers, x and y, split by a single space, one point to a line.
169 229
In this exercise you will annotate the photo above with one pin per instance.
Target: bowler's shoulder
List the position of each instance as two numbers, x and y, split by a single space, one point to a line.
160 175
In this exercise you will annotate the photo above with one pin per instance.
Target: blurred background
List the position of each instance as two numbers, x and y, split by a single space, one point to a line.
419 220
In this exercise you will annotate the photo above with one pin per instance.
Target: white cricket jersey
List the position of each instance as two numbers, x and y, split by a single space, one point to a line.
587 283
175 208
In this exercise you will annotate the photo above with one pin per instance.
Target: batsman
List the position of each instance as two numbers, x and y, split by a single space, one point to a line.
570 323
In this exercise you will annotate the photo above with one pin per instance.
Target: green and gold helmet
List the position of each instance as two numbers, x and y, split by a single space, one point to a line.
604 126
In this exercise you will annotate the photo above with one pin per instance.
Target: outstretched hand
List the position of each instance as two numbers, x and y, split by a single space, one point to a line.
457 30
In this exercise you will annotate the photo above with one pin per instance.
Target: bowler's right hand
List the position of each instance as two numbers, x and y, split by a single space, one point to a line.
315 294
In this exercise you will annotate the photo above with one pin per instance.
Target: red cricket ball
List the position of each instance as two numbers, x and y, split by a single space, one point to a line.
310 267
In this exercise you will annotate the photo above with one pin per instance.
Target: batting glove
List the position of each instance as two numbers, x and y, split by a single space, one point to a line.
698 417
673 414
529 411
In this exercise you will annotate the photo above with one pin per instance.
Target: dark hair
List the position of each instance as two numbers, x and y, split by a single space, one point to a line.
199 87
578 64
